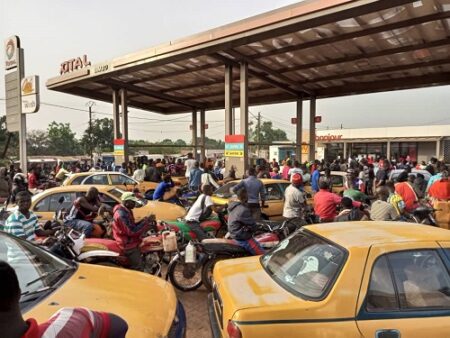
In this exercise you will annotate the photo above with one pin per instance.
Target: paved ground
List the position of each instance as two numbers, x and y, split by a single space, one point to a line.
194 303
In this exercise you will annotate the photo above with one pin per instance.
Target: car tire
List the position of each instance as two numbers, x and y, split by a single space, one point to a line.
179 272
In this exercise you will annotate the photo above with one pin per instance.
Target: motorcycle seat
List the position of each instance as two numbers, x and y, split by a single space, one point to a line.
100 244
225 246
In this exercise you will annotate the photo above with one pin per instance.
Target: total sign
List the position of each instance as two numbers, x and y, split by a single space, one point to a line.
12 45
30 94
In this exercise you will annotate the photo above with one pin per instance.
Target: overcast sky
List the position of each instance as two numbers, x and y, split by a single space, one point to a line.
58 30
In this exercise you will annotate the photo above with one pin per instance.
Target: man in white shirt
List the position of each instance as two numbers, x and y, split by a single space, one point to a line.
189 165
200 211
294 201
295 170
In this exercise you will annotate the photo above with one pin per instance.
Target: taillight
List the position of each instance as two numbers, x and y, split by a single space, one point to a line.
233 330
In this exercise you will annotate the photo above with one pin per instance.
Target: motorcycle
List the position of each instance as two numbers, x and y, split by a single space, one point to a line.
214 227
152 250
424 215
189 276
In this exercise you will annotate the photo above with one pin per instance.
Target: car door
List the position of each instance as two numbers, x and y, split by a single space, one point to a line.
405 292
274 202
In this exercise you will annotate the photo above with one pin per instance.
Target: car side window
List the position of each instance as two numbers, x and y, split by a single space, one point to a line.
337 181
381 294
284 186
273 192
97 179
421 279
78 180
51 203
121 179
105 199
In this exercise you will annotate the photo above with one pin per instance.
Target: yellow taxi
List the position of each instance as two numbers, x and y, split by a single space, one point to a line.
117 179
275 196
338 280
45 204
149 304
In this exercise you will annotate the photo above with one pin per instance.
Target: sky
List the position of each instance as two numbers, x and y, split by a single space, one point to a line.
52 31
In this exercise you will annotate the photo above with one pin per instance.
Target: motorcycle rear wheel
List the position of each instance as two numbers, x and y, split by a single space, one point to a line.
185 276
207 271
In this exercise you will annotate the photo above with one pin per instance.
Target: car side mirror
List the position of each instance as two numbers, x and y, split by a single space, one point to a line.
61 200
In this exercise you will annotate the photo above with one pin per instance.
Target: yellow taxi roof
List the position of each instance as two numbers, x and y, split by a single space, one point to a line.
66 188
365 234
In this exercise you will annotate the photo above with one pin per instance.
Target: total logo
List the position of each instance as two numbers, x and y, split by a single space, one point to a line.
10 49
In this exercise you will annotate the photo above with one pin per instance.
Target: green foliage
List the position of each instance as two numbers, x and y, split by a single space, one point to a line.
38 143
100 139
266 133
61 140
13 148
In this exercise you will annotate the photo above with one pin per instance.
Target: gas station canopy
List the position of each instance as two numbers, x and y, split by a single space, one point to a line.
320 48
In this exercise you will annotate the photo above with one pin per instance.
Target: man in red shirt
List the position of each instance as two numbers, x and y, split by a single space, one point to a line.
67 322
440 190
126 232
32 179
325 203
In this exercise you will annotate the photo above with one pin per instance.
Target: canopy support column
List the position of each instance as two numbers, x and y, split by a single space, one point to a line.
123 98
202 136
244 111
438 149
194 133
229 118
299 129
312 129
388 150
116 113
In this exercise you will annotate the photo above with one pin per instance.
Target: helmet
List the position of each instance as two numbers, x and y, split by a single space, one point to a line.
20 178
297 179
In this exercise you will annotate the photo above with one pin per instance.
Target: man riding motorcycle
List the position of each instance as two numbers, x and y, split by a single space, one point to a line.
83 212
126 232
241 224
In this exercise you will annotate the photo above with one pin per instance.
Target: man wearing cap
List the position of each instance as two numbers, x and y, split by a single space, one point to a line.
126 232
294 201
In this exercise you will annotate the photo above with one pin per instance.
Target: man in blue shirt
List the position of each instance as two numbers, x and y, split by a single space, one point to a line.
256 193
195 177
162 187
315 179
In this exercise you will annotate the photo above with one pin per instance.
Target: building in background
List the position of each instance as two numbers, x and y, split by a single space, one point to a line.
418 143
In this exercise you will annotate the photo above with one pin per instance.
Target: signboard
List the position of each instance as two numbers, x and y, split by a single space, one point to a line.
234 145
328 138
12 45
318 119
30 94
13 104
119 147
74 64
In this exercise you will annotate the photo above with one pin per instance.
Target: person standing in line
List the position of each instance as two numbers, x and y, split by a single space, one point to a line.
256 193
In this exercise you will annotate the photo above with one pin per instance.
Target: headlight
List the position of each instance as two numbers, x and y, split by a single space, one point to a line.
178 327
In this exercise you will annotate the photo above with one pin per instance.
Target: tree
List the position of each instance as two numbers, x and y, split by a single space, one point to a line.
101 138
9 140
62 140
38 143
266 133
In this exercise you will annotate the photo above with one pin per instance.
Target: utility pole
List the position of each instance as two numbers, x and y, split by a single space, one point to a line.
90 104
259 132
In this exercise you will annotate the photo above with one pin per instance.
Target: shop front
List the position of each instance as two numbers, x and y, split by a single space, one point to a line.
396 143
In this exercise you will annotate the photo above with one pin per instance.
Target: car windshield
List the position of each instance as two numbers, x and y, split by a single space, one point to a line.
225 190
116 192
304 264
37 270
